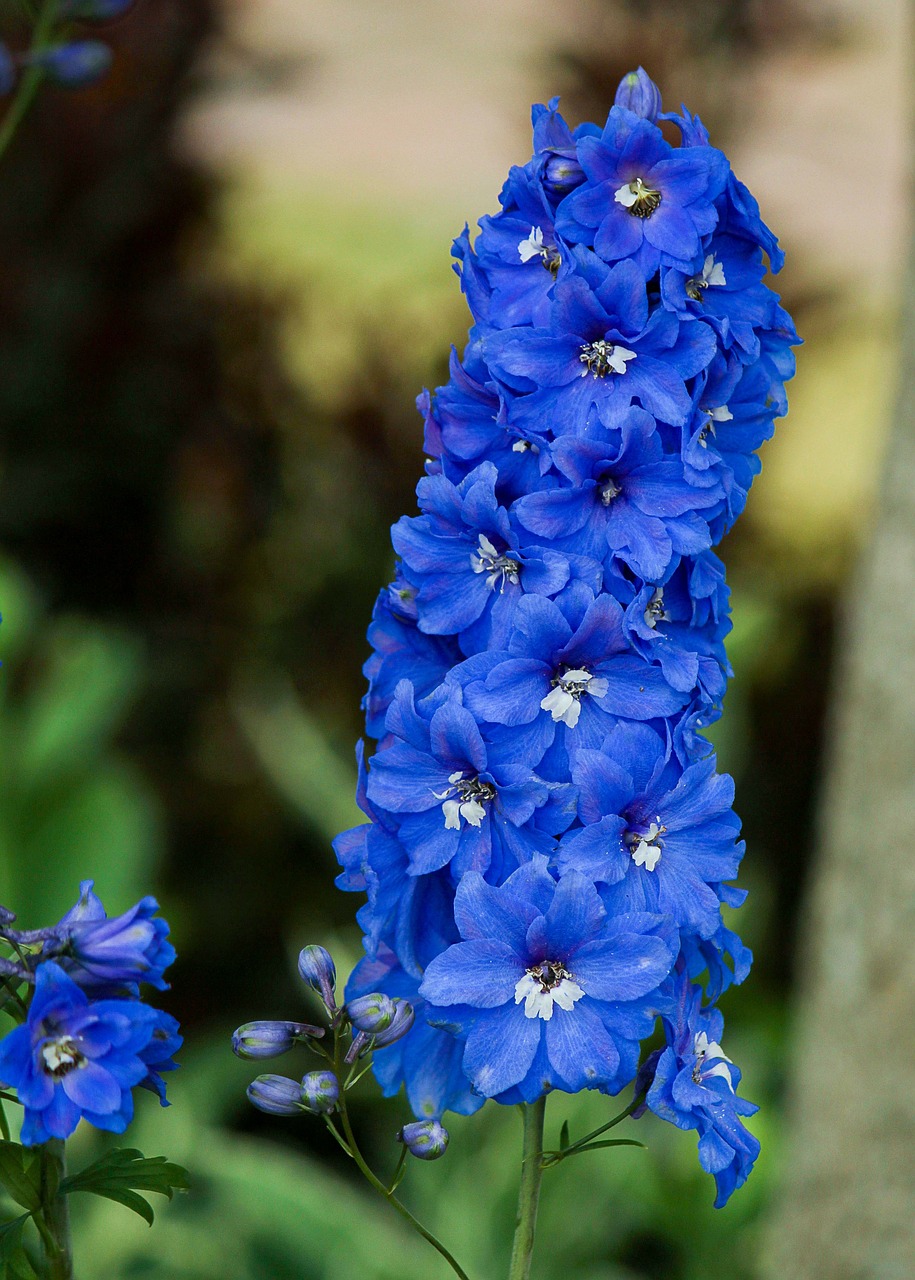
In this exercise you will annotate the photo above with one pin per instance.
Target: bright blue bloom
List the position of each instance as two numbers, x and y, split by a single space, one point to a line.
627 500
557 994
466 794
104 954
695 1087
655 837
571 676
602 351
463 556
75 1058
643 198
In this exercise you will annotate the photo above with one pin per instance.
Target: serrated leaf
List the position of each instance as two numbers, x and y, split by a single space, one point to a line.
20 1174
121 1173
564 1135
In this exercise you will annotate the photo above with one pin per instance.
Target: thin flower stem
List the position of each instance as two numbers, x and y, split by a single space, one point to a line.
379 1185
556 1157
529 1192
31 79
4 1123
55 1212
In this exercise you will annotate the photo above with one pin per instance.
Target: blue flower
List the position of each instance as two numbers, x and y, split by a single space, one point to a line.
643 199
658 837
695 1087
158 1055
627 500
551 992
104 955
75 1058
467 795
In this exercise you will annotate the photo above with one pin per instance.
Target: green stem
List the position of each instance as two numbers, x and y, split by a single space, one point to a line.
555 1157
379 1185
55 1213
529 1193
31 79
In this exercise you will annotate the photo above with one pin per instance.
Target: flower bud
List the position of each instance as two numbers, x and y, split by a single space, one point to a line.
277 1095
317 969
425 1139
404 1017
320 1091
6 916
270 1039
639 94
561 173
76 64
372 1013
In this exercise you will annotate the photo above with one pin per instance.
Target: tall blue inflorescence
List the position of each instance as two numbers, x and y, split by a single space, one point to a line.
549 842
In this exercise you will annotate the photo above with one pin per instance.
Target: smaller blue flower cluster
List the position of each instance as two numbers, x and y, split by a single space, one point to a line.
85 1039
549 843
65 56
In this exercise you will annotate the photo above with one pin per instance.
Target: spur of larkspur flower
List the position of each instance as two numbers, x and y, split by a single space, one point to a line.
549 845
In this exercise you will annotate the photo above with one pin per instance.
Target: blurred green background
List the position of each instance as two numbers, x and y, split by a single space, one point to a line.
227 277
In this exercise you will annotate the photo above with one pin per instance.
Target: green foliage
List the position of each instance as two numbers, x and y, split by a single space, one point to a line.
119 1174
20 1175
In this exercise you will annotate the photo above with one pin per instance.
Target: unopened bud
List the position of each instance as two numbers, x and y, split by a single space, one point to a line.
425 1139
639 94
372 1014
320 1091
277 1095
404 1017
317 969
270 1039
561 173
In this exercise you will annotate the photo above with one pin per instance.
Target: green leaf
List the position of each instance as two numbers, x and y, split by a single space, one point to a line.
121 1173
20 1174
610 1142
14 1264
564 1135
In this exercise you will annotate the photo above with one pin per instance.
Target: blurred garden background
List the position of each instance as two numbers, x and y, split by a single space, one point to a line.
226 277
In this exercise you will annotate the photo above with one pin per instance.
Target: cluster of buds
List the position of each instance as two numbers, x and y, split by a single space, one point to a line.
353 1032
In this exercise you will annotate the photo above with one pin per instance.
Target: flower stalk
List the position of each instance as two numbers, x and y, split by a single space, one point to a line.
529 1191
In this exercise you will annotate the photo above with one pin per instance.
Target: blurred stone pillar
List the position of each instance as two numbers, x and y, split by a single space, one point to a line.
846 1207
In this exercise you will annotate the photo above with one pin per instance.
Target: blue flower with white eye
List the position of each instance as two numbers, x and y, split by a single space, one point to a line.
655 837
77 1059
569 673
547 989
643 199
622 497
463 557
602 350
695 1087
464 795
400 651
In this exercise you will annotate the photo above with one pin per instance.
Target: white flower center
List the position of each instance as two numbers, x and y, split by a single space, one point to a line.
500 567
472 795
645 846
609 490
564 699
640 199
61 1056
534 247
602 357
655 611
544 985
712 273
522 446
719 414
705 1048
